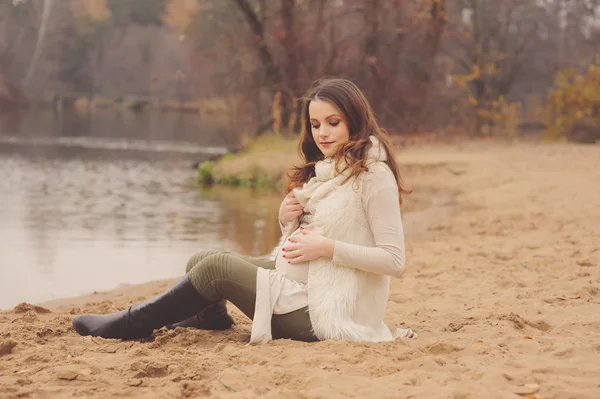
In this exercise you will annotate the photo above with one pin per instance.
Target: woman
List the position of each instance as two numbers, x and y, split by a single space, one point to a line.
342 239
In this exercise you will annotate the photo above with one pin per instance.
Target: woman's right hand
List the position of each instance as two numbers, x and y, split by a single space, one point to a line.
290 209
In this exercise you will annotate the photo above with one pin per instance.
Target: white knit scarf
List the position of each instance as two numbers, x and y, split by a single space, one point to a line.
326 177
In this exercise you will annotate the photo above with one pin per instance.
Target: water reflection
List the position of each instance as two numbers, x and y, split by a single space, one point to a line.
247 214
74 225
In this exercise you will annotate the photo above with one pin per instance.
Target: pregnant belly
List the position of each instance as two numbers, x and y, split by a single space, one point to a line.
297 272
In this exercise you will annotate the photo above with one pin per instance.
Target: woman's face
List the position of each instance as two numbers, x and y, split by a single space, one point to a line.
328 125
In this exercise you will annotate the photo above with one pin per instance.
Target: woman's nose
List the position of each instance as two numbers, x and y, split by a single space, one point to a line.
323 132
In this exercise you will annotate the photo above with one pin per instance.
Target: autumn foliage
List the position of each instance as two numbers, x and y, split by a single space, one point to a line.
491 113
574 103
426 66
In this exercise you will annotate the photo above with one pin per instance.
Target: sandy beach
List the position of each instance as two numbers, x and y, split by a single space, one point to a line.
502 284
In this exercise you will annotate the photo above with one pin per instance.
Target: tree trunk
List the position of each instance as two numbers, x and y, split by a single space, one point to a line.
427 57
289 109
283 85
479 85
273 74
371 72
47 4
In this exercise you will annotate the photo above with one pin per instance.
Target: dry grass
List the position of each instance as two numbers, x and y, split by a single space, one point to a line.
263 162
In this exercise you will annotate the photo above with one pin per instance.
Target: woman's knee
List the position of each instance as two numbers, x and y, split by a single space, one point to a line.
197 258
222 275
212 266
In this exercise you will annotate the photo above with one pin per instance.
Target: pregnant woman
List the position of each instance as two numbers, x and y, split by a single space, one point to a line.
342 240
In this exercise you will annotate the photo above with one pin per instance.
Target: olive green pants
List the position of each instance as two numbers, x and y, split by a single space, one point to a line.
225 275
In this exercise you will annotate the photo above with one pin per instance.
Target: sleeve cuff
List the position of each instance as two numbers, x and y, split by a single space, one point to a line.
337 248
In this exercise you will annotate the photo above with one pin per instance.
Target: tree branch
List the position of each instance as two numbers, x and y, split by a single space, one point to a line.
272 71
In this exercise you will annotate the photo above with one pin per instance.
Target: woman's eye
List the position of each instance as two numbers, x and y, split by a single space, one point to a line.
316 126
334 123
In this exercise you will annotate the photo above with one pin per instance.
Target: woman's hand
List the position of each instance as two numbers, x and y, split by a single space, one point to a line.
290 209
307 246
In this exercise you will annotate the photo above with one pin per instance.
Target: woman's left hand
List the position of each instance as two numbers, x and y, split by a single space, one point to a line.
307 246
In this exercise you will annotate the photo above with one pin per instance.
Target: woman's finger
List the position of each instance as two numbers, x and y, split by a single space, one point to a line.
292 255
296 238
290 248
306 230
299 259
292 252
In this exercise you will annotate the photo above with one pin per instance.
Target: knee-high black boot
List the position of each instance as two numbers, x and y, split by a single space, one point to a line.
178 303
213 317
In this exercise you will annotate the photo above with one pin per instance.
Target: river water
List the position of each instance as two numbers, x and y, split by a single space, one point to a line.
90 203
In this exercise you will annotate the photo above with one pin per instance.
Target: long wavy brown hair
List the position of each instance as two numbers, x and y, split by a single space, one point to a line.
359 116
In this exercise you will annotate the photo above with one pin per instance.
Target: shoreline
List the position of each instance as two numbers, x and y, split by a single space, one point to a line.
503 294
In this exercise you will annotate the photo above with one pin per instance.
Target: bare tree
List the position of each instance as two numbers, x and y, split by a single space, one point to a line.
41 35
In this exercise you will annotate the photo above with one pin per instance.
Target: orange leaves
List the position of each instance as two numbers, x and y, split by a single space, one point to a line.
493 110
474 74
491 69
575 98
179 14
95 9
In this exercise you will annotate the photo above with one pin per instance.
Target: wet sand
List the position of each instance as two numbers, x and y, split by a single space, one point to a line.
502 285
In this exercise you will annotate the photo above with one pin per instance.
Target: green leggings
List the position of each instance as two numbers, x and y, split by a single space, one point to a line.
225 275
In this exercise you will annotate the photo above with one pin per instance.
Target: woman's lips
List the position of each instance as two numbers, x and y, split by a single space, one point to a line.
326 143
